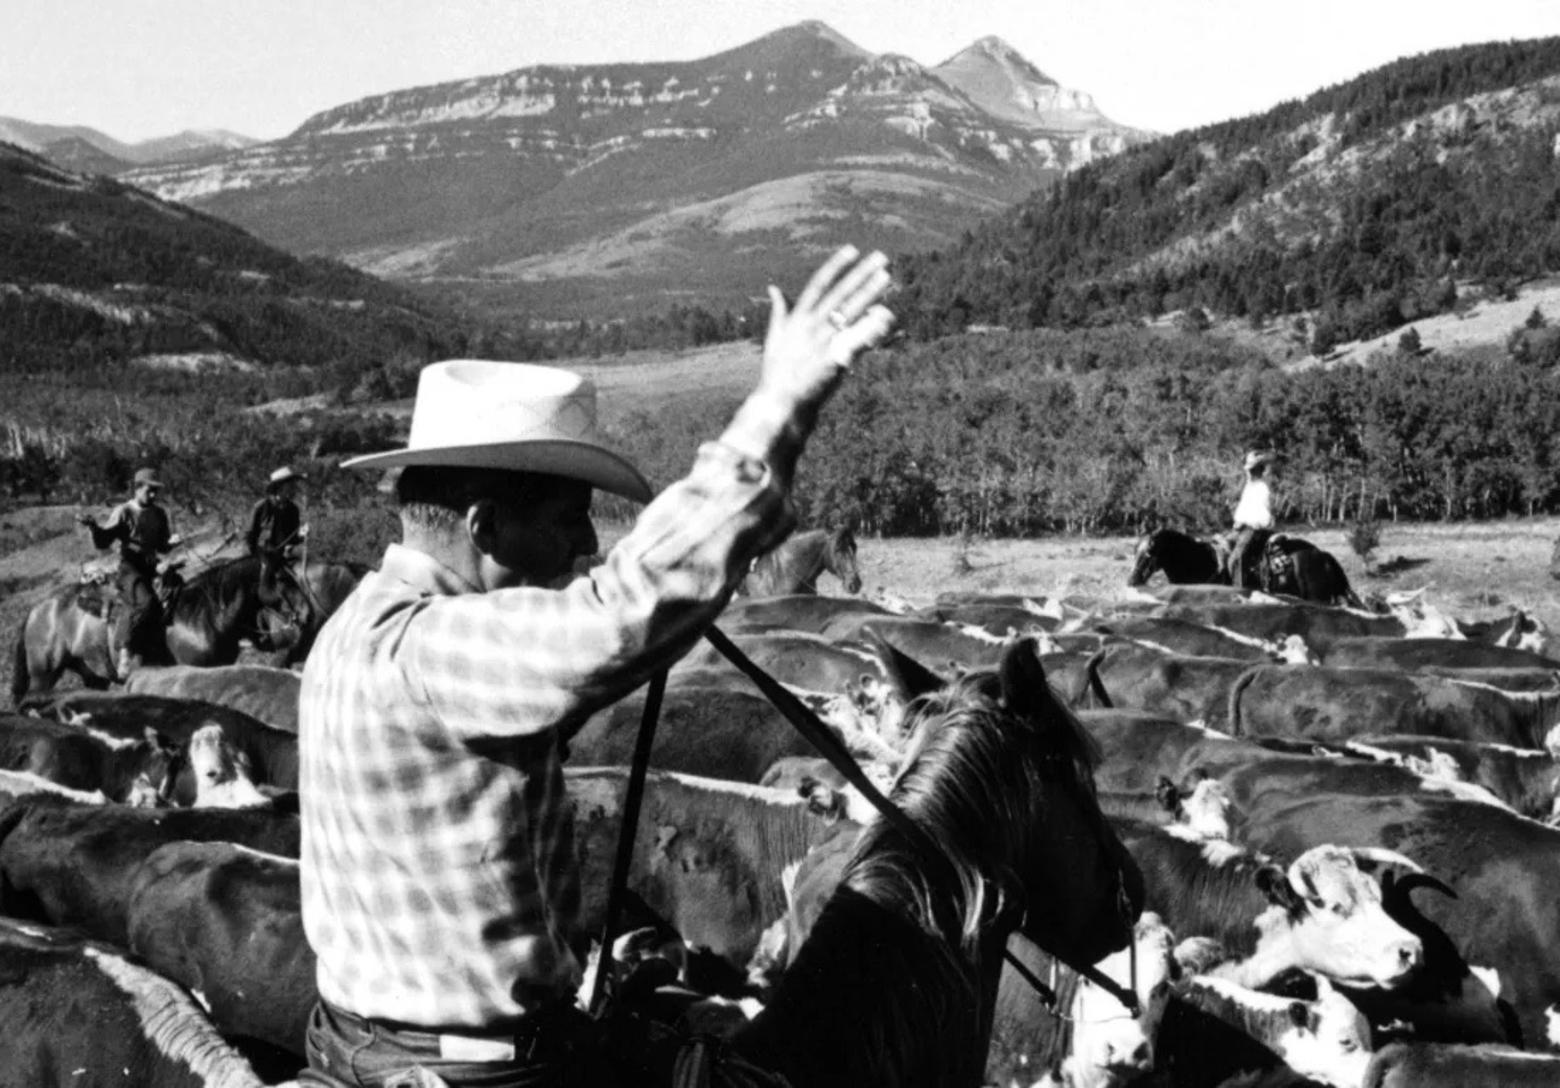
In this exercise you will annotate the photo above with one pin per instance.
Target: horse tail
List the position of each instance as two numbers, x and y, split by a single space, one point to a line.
21 678
1346 592
1092 684
1232 711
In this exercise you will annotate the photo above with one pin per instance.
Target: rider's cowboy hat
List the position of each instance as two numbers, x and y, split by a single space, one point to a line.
1255 458
282 475
481 414
145 477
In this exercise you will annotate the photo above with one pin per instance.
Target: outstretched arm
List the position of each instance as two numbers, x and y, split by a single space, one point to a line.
568 653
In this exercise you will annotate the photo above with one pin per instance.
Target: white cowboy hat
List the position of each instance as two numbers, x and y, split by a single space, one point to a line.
1255 458
282 475
483 414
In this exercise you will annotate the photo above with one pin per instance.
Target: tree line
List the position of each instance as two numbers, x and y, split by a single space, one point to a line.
1005 434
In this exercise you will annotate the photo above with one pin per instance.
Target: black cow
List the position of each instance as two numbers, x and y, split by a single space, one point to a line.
1417 653
139 770
79 1014
795 658
729 731
945 648
1183 636
798 612
267 694
1431 1065
1132 676
1317 624
1527 781
1320 703
64 863
225 921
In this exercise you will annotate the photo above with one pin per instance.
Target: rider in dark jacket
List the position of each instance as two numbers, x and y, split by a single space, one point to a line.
276 528
141 528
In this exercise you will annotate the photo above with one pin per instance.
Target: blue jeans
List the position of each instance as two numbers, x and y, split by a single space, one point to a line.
347 1050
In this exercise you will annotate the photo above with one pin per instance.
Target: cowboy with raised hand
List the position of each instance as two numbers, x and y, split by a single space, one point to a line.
440 884
142 529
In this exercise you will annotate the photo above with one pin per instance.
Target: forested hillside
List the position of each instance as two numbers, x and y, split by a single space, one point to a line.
96 274
1365 205
1108 430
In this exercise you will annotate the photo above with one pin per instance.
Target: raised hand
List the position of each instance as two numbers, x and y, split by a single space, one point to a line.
837 315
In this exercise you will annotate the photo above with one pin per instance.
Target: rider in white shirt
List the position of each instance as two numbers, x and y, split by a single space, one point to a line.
1253 519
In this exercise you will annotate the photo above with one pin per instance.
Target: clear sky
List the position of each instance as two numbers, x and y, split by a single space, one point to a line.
135 69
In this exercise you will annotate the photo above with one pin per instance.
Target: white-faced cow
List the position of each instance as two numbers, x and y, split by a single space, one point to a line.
1090 1040
1218 1032
1322 914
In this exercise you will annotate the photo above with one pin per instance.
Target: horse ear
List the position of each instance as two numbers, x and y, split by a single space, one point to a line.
1025 690
907 676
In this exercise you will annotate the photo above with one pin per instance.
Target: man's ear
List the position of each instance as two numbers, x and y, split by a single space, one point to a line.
482 524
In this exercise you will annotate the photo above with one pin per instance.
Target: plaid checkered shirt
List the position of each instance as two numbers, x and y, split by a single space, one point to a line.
440 885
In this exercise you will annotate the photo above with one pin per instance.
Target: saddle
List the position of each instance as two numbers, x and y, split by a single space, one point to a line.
97 594
1277 570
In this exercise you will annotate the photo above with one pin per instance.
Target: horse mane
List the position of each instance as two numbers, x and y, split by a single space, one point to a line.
970 785
215 588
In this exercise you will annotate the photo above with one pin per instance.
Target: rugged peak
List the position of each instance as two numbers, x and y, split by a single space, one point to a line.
1005 83
994 51
801 40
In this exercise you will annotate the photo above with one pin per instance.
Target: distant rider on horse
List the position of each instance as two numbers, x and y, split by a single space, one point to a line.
143 532
1253 522
276 529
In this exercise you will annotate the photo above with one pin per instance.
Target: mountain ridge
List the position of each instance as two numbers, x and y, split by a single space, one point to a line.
571 189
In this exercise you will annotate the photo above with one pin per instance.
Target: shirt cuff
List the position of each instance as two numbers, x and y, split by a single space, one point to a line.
764 429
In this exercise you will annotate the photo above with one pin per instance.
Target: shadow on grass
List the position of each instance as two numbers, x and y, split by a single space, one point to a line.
1391 568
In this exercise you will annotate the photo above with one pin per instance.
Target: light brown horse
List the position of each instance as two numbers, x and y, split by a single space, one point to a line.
59 634
794 566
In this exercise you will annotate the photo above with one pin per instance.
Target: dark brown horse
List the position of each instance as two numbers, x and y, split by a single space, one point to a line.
897 981
207 620
1289 565
795 565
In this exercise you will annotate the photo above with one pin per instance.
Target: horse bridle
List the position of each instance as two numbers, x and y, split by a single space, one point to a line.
808 724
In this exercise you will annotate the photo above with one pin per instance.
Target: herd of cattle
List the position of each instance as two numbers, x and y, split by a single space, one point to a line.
1343 820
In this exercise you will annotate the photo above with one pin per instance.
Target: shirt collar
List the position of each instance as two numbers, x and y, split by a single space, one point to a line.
423 572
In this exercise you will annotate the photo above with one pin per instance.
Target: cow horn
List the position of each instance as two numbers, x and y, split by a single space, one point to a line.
1410 881
1369 858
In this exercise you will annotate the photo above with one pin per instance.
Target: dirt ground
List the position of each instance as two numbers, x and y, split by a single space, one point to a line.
1474 570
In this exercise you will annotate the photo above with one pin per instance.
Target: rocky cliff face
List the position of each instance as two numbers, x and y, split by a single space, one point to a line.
637 182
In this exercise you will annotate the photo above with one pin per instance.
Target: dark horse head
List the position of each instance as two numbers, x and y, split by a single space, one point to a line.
841 560
897 982
1184 559
223 605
